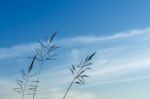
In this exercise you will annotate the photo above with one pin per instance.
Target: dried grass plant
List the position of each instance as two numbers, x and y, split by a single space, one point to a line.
79 72
28 84
45 52
24 84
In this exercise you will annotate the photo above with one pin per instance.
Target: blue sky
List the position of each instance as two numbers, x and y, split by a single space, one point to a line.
27 21
118 30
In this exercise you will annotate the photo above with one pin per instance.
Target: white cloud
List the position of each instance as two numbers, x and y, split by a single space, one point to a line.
92 39
109 62
6 91
17 50
117 67
72 95
121 80
24 49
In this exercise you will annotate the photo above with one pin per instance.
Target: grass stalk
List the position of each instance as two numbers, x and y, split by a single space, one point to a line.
38 77
78 72
23 84
44 53
69 87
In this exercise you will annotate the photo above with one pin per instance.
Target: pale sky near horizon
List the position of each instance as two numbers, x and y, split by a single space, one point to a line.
119 31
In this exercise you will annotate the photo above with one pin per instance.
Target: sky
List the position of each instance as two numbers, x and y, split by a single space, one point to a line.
119 31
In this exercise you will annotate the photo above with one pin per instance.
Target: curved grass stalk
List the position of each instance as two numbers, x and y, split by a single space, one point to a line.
38 77
23 83
68 89
78 72
44 54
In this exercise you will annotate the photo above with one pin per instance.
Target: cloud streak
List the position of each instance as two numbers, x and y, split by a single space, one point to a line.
17 50
122 54
121 35
23 49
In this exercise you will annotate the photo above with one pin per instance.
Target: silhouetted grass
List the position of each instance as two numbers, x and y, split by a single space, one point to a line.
78 72
46 52
26 78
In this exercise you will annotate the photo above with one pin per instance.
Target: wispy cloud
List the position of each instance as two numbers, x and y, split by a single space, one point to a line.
23 49
72 95
126 80
121 35
17 50
125 53
132 63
